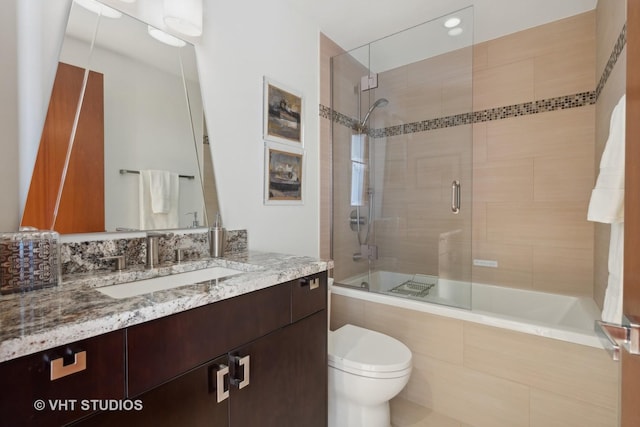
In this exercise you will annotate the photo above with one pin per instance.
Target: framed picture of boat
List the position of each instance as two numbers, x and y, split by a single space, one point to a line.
282 114
284 174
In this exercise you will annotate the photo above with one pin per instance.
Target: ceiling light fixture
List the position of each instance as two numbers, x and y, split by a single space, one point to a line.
164 37
99 8
454 21
184 16
455 31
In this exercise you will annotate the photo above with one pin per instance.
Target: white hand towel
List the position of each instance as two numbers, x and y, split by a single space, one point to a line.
607 206
159 192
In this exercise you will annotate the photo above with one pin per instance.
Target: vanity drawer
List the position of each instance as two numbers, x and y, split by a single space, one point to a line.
61 379
162 349
308 295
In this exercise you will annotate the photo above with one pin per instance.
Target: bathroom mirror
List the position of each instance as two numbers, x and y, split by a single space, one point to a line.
138 108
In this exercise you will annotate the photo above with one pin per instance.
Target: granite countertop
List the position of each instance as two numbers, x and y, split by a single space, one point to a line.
75 310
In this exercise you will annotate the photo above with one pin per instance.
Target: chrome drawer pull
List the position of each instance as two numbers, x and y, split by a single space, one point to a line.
221 393
59 370
313 283
245 363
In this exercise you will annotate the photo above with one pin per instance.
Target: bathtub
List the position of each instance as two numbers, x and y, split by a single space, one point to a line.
561 317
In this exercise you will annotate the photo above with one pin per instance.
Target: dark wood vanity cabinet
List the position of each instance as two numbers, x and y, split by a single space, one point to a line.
56 386
259 359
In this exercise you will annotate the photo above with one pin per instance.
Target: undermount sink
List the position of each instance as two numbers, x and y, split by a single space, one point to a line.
141 287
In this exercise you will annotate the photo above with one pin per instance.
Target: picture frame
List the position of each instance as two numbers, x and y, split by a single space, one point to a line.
283 114
283 175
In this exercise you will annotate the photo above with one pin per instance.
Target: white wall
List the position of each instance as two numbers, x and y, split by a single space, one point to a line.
242 42
34 28
9 204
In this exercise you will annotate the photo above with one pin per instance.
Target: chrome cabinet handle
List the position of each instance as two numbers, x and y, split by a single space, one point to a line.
455 197
245 364
312 283
59 370
221 393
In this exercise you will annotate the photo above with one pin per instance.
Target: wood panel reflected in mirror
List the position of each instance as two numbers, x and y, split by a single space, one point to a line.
144 115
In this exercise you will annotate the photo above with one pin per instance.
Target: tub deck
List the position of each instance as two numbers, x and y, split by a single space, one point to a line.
562 317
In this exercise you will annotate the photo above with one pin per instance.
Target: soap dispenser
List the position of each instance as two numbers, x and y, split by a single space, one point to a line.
217 238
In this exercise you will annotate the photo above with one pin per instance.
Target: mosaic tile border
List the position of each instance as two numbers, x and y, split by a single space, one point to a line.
516 110
613 58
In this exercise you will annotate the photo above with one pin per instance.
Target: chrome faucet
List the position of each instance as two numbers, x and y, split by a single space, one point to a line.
152 249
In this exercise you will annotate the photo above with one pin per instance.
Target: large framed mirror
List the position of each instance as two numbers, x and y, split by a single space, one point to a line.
123 142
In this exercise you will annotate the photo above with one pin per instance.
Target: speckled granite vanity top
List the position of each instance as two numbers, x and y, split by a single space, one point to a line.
75 310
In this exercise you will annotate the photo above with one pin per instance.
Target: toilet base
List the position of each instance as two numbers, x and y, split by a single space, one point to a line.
348 414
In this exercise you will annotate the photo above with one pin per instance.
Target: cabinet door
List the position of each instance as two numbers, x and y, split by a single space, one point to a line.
189 400
287 378
165 348
49 388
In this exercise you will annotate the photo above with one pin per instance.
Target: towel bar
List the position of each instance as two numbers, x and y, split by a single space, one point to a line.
123 171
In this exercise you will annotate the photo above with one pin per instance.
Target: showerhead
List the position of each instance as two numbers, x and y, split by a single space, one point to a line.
382 102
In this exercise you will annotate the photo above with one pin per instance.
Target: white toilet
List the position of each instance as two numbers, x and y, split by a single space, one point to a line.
366 370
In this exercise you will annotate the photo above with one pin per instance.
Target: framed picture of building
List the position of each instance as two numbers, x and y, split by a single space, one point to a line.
284 175
283 114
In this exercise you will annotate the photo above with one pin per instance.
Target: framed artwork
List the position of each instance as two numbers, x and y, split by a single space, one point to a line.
282 114
284 175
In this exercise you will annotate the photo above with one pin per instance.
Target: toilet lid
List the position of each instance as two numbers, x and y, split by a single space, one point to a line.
361 351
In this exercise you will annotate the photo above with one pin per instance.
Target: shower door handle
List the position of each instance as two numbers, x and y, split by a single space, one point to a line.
455 197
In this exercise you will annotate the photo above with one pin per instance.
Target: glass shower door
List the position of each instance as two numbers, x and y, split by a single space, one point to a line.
403 165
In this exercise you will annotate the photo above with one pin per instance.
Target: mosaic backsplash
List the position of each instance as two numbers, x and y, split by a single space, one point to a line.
88 256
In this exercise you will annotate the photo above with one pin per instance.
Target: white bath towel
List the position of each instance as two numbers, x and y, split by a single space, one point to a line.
607 198
612 308
158 195
607 206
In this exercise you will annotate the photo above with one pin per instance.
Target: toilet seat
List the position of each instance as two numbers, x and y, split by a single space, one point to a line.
368 353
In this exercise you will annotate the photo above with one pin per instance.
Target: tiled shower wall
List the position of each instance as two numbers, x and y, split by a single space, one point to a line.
612 62
533 125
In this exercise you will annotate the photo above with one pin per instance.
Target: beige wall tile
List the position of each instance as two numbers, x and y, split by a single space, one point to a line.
434 336
479 218
545 224
408 414
328 48
565 72
468 395
561 133
575 371
479 142
515 264
552 410
345 310
611 15
562 270
503 180
564 177
507 84
558 36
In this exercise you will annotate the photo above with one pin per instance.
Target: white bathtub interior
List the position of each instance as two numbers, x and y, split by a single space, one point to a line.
569 318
